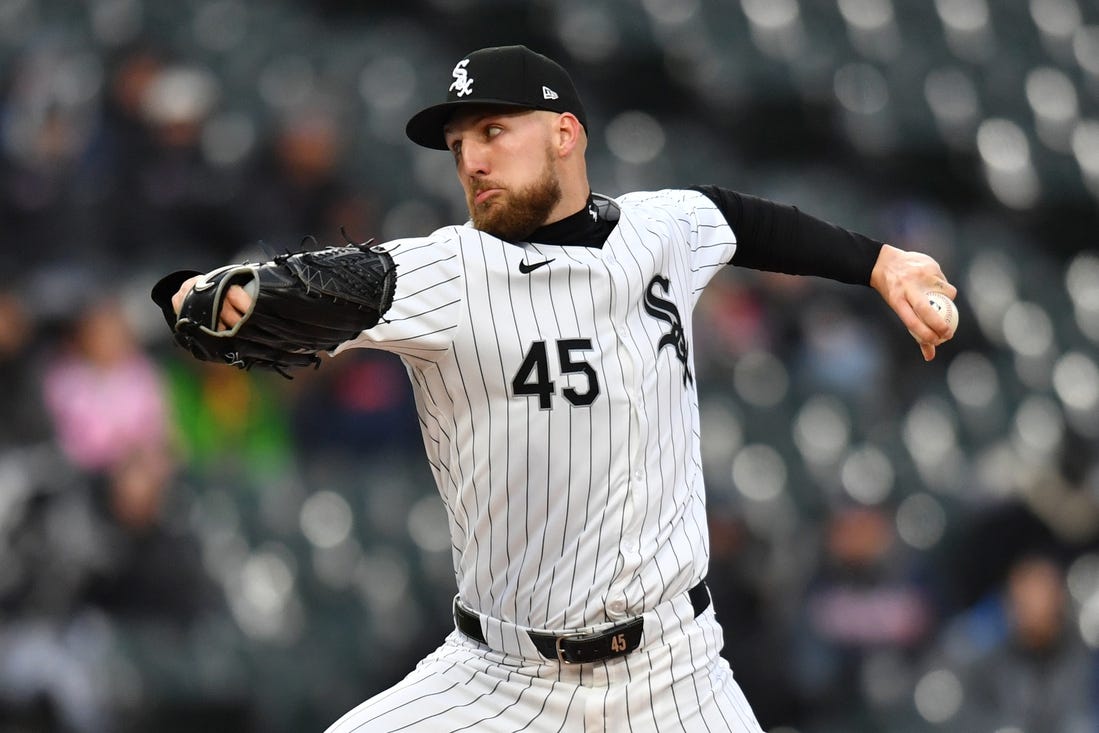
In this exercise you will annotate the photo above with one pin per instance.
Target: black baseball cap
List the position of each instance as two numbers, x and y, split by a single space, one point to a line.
508 75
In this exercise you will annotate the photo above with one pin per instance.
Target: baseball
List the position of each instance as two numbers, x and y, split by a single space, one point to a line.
946 307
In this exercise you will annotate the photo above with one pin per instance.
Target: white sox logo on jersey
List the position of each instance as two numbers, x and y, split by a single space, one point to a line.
665 310
463 84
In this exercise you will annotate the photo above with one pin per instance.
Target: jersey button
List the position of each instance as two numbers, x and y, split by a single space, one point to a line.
617 606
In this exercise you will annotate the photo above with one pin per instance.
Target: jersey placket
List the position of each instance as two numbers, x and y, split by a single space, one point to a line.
634 479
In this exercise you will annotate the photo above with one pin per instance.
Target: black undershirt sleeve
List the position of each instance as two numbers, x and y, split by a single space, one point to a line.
780 238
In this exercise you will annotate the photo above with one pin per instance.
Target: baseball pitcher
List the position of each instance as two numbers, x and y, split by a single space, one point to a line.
549 344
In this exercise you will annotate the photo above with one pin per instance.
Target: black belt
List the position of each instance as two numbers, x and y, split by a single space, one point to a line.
615 641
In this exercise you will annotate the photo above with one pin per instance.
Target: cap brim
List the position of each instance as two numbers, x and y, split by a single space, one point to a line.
426 126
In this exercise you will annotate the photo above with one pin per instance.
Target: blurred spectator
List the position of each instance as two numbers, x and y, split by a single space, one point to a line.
749 603
866 616
1062 492
47 178
840 352
161 196
1050 504
111 595
734 321
152 568
298 188
103 394
160 600
97 570
359 407
124 145
23 420
1037 675
230 422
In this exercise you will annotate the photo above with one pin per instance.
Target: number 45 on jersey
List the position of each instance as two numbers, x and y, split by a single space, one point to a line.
533 378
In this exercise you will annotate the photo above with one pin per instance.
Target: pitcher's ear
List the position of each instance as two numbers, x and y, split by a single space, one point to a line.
569 132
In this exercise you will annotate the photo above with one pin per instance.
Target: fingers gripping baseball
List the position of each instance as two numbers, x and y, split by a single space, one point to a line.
906 281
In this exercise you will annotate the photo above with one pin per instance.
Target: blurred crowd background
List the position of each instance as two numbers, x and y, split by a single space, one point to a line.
897 545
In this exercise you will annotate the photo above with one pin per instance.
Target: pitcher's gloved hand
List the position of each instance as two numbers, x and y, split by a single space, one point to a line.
301 304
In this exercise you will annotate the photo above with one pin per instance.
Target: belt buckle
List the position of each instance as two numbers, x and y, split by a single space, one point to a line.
561 652
619 641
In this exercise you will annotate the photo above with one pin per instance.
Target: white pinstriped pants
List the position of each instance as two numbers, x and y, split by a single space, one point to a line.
674 682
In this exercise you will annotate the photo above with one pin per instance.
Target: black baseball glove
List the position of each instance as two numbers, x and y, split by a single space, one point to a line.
302 304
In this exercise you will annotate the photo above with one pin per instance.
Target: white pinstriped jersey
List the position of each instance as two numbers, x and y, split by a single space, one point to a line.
556 397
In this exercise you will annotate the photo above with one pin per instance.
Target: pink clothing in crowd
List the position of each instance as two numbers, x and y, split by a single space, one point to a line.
102 415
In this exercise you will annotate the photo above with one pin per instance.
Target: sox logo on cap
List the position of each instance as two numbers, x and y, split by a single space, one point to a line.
463 84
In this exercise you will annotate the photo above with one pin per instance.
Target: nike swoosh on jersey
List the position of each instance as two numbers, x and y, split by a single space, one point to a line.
527 268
